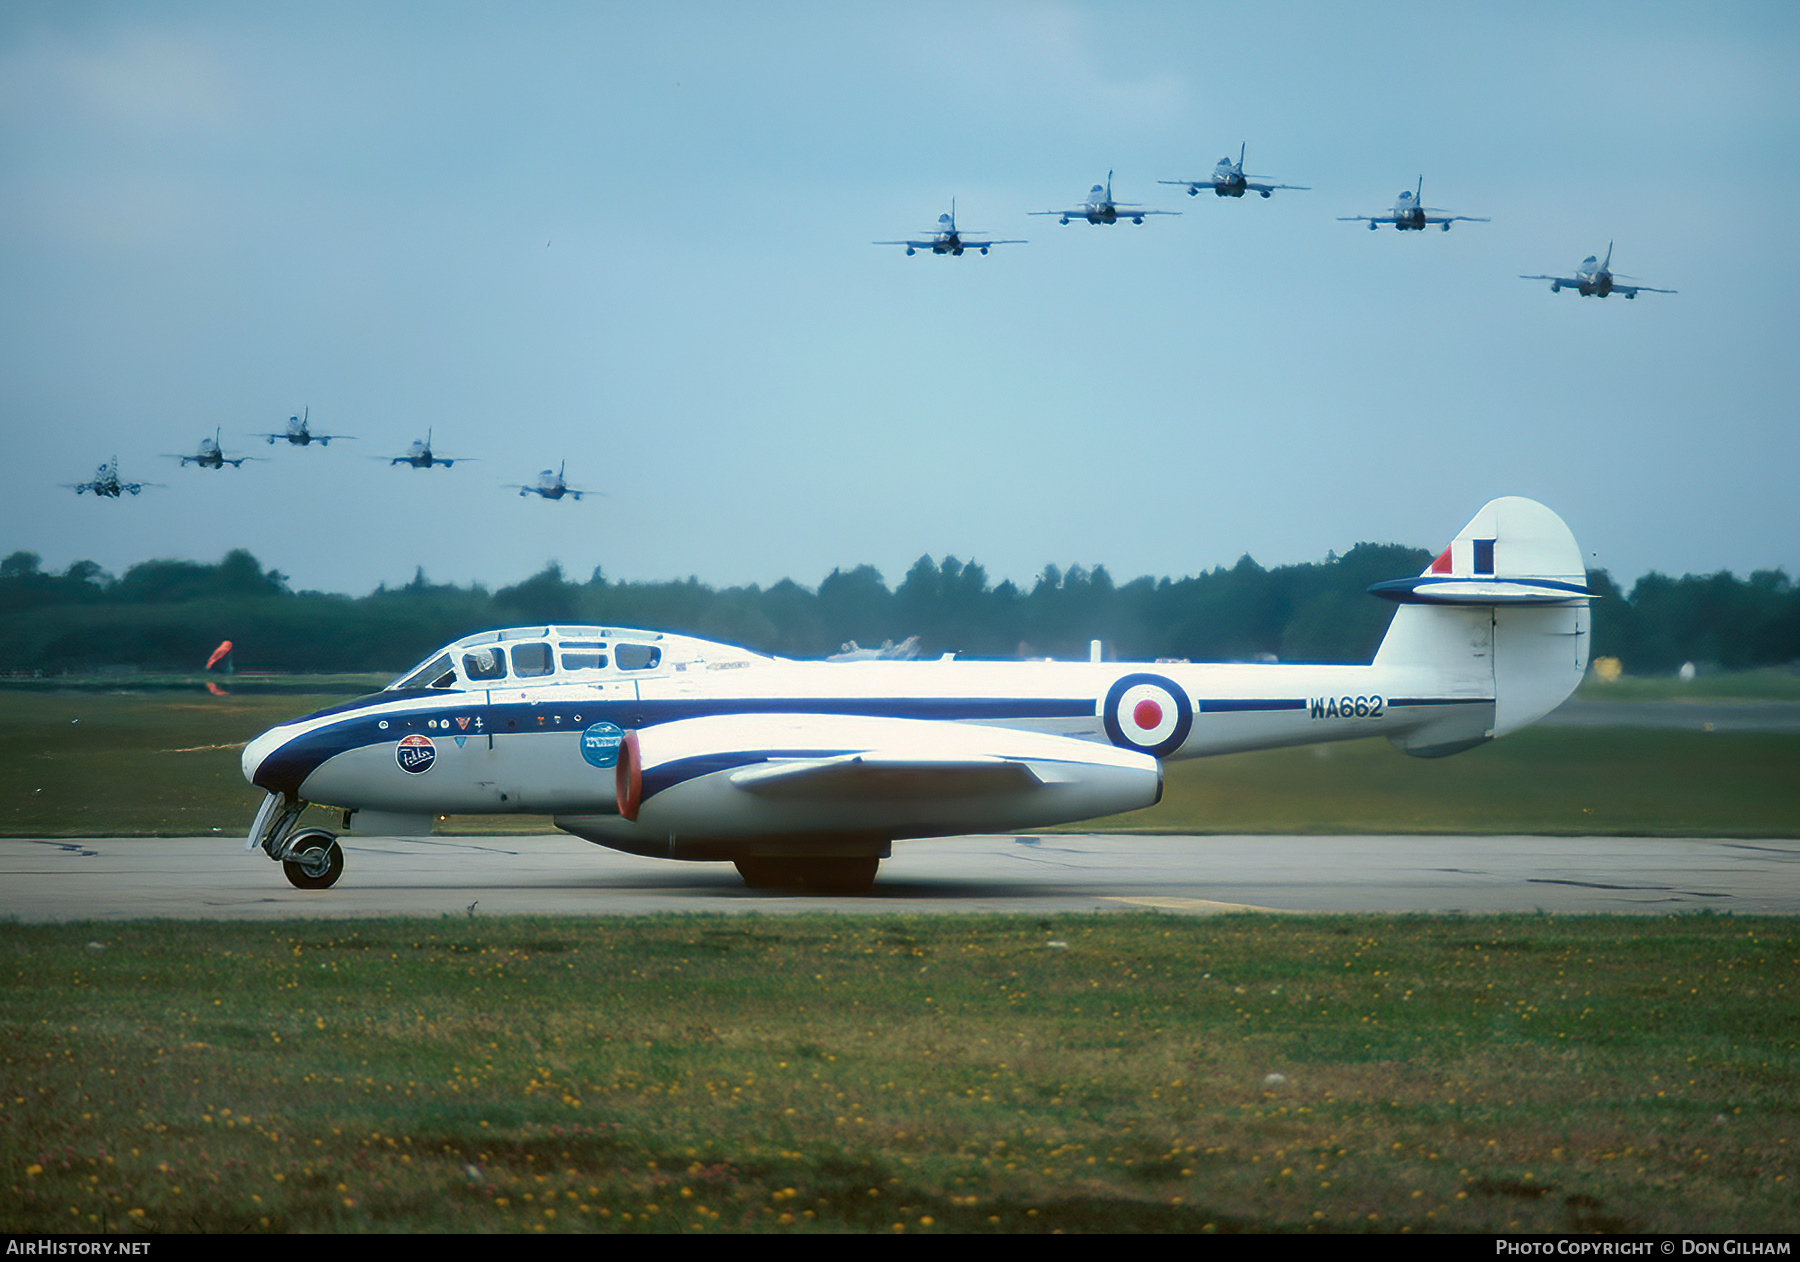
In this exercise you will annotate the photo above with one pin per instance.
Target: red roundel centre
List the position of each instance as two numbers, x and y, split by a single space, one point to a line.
1147 715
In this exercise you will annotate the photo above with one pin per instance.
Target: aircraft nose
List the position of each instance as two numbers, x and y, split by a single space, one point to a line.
257 752
281 758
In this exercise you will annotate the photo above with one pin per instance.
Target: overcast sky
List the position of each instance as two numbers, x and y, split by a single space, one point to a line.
638 238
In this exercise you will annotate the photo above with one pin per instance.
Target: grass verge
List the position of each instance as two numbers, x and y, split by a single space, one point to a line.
1125 1072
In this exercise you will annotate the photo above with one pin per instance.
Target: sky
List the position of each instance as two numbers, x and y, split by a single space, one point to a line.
638 239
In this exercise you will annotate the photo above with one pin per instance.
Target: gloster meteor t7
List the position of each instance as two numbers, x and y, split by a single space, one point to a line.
806 773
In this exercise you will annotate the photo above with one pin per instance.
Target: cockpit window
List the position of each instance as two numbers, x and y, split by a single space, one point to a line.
531 660
636 656
438 673
484 664
577 655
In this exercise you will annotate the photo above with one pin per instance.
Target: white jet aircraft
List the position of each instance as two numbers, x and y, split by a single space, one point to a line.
106 483
1595 279
298 433
550 485
1411 215
806 773
949 239
419 455
1101 208
1228 180
210 455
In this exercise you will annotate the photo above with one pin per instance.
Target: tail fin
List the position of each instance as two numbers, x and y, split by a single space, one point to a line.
1503 611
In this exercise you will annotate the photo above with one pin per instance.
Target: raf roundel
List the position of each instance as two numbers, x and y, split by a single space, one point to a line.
415 753
1147 713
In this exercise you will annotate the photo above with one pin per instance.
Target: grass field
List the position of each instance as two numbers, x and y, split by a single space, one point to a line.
166 764
1770 683
1125 1072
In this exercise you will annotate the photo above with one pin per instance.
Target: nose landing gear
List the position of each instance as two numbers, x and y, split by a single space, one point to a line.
310 858
318 860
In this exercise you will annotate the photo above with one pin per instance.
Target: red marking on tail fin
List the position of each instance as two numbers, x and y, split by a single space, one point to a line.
1442 564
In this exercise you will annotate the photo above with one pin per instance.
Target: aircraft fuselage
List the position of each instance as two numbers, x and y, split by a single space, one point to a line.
518 745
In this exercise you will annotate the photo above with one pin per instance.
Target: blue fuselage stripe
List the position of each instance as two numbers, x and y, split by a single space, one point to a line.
288 767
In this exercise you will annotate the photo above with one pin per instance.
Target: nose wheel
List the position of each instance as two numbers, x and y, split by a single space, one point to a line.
317 860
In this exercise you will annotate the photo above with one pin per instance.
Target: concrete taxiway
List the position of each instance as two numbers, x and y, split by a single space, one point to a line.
214 878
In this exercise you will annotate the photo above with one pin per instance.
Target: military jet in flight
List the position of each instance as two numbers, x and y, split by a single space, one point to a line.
949 239
1596 279
210 455
550 485
1101 208
1410 215
419 455
1228 180
298 435
106 483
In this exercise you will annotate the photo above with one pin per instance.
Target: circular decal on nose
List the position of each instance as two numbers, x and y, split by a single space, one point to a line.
415 753
600 744
1147 713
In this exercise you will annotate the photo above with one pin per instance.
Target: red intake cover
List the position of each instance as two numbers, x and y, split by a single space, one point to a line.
629 777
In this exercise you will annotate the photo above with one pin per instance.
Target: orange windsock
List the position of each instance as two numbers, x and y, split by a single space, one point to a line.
221 651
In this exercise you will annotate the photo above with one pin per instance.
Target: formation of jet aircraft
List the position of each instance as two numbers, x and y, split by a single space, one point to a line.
1410 214
1228 180
211 454
1596 279
949 239
805 773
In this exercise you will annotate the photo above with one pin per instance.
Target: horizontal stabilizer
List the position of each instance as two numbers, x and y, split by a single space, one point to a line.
1514 552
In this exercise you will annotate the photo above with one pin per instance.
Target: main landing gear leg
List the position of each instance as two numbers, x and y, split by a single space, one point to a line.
310 858
819 876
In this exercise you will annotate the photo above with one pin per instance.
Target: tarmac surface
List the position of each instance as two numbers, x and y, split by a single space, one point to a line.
214 878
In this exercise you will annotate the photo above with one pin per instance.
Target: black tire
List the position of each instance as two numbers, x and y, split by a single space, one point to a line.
319 861
816 876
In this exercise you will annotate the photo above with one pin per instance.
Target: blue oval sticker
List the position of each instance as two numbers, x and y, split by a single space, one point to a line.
600 744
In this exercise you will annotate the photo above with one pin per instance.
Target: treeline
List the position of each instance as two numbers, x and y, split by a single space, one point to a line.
168 615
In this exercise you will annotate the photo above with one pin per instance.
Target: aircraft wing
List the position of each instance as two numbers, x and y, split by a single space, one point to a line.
1256 187
802 772
1431 218
913 245
1570 281
1366 219
878 774
1633 290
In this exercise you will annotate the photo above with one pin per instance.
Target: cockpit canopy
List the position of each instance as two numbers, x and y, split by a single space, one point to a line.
536 655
